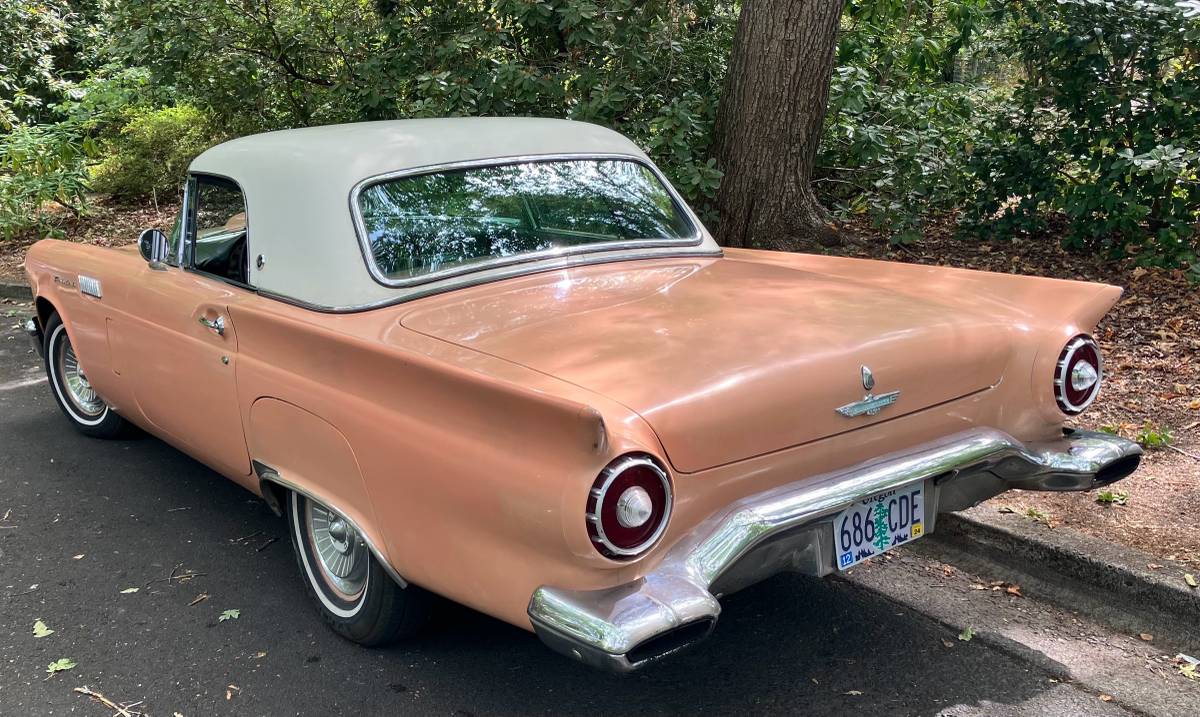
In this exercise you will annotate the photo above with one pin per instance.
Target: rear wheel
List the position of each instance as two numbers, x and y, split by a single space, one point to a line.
72 390
354 594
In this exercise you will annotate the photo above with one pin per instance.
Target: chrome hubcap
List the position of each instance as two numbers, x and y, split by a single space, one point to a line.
341 553
79 390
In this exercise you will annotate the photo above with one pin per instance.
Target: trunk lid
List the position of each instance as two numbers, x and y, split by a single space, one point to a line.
729 359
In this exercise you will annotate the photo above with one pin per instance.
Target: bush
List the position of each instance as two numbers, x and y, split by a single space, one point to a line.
151 154
41 166
1105 130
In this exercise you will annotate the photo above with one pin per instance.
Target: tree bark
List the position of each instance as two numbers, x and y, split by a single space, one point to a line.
769 124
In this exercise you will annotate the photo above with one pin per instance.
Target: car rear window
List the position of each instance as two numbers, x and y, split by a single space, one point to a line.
427 223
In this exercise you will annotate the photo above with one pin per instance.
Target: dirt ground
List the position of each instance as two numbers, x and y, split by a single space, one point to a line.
1151 342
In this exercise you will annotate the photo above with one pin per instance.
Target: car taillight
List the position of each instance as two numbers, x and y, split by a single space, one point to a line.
628 506
1078 374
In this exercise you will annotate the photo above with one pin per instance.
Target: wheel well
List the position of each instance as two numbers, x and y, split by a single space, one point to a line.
273 493
44 310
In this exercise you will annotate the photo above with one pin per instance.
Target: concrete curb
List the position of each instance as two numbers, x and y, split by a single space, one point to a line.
1109 583
15 290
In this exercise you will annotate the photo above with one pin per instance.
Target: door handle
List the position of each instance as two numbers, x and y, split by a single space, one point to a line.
216 325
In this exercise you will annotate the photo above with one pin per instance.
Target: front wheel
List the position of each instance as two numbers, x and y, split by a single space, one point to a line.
72 391
358 599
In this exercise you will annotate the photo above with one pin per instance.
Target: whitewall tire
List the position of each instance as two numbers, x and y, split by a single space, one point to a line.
353 593
73 392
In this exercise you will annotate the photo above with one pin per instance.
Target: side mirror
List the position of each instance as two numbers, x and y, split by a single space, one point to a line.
154 247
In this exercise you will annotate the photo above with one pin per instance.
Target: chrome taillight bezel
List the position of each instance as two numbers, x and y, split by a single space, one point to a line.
596 501
1062 374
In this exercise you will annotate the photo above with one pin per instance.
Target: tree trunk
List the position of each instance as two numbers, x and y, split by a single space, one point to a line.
769 124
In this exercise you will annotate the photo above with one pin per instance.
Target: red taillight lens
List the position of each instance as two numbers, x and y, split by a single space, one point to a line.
1077 375
628 506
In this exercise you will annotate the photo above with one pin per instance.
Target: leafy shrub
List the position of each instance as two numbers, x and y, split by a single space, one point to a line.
899 119
895 154
41 166
151 154
1105 129
652 69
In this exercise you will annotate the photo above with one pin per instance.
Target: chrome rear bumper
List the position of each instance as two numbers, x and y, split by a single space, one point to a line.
788 529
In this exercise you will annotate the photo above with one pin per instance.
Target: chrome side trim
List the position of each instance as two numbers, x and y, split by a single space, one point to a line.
364 242
267 474
782 529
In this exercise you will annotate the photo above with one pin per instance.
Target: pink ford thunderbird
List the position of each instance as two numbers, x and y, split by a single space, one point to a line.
501 361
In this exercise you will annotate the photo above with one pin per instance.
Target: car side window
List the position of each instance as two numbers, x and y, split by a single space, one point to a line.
218 232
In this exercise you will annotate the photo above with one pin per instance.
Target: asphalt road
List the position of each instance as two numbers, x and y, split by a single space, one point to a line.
84 520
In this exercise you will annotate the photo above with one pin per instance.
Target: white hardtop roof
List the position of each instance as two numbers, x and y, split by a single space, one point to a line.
298 185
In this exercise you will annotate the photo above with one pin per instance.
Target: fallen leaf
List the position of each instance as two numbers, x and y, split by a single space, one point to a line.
853 693
967 634
128 591
1154 566
1014 590
947 643
65 663
1106 698
229 615
977 586
1190 580
1146 637
1189 671
230 690
40 629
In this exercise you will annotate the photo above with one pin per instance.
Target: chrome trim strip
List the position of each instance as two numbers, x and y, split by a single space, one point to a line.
364 243
601 627
270 475
565 263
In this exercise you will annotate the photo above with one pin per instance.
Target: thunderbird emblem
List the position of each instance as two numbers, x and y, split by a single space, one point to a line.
870 404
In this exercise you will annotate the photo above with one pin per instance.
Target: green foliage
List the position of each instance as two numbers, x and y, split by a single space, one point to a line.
1104 131
1154 436
43 177
152 152
30 34
1108 497
898 126
651 69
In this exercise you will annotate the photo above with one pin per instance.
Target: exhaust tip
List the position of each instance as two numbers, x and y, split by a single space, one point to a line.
670 642
1117 470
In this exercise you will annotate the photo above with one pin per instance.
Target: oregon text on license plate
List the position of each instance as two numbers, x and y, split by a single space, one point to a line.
879 523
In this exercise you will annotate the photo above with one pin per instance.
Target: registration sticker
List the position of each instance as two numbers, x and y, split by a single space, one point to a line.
877 524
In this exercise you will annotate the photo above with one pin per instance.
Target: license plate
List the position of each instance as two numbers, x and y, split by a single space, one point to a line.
877 524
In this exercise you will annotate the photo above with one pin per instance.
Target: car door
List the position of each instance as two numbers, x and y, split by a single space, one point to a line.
185 342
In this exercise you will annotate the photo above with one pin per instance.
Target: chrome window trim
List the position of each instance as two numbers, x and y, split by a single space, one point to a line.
567 263
189 218
380 277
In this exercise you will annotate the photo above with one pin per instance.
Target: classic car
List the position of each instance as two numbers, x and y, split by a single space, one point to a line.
502 362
